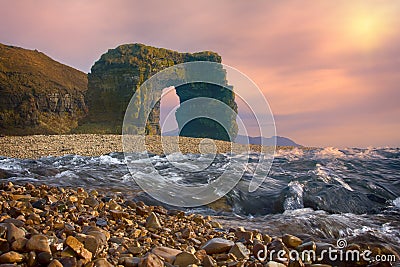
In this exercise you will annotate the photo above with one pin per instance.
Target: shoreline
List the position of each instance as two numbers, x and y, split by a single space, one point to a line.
36 146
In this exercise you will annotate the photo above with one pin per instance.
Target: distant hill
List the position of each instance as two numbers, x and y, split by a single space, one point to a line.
38 95
280 141
242 139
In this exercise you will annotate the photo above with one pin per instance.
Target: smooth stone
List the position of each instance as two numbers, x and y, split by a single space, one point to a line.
55 263
19 244
296 263
39 204
69 262
244 236
44 258
4 245
91 202
32 258
307 246
209 261
168 254
131 261
101 222
184 259
151 260
38 243
257 248
240 251
11 257
274 264
217 245
102 263
152 221
291 241
13 232
78 247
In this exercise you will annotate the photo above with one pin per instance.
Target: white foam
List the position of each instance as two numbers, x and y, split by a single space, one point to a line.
329 152
396 202
106 159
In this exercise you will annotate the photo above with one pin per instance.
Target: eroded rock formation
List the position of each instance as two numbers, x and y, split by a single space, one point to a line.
118 74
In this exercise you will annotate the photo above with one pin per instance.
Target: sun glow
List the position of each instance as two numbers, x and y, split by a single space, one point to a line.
367 30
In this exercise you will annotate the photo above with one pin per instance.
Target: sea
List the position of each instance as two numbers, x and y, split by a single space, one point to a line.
323 194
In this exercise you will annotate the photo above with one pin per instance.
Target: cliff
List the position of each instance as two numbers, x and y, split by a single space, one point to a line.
116 76
38 95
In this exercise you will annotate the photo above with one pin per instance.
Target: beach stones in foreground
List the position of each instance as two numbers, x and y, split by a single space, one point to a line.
47 226
217 245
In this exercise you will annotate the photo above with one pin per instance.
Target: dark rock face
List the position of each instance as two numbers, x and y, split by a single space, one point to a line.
38 94
116 76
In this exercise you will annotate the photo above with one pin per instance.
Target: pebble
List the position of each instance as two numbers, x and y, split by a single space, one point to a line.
11 257
13 232
240 251
274 264
184 259
78 247
151 260
217 245
55 263
38 243
291 241
168 254
153 222
101 263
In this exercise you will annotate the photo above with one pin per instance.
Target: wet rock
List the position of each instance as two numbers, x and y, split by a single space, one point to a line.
291 241
240 251
152 221
296 263
102 263
184 259
39 204
168 254
274 264
243 235
32 258
200 254
209 261
259 250
13 232
101 222
55 263
44 258
307 246
11 257
151 260
131 261
91 202
217 245
187 233
4 245
69 262
19 244
38 243
78 247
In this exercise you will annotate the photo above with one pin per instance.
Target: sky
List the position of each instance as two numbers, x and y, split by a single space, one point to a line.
329 69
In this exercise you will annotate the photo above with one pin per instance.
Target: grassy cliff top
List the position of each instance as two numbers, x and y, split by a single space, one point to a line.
23 70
